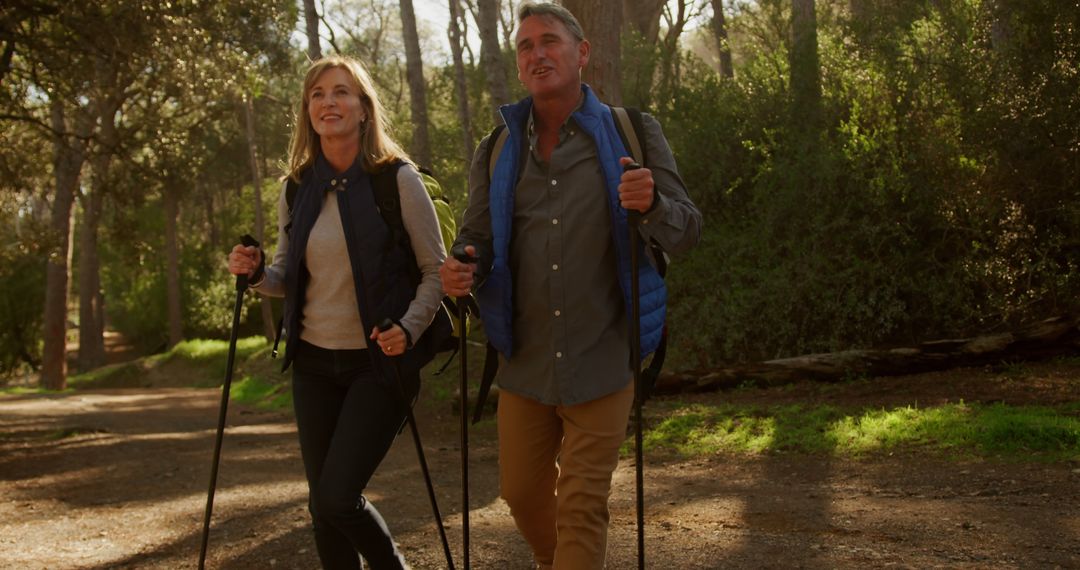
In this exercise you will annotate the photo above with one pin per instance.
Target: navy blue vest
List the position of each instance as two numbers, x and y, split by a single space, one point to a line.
379 263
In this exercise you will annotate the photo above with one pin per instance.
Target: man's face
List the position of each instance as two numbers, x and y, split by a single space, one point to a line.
549 58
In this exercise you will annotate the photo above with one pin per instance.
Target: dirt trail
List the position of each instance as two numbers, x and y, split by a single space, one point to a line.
117 479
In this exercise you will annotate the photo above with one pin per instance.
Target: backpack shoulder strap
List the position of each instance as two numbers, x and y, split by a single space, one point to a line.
291 187
497 142
388 200
632 131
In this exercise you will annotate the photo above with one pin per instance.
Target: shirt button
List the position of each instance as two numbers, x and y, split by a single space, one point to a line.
554 182
557 312
555 221
554 266
558 355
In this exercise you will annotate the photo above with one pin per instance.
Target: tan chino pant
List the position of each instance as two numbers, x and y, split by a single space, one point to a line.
555 466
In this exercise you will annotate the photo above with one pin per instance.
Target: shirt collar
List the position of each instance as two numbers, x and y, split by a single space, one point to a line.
326 176
567 126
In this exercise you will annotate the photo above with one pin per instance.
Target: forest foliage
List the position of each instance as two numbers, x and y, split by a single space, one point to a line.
924 183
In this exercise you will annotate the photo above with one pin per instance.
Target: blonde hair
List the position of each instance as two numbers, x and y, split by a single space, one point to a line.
376 145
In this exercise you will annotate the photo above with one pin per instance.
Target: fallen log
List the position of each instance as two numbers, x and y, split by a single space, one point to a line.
1046 339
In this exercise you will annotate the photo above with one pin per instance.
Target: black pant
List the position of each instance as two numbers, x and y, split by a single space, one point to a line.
347 421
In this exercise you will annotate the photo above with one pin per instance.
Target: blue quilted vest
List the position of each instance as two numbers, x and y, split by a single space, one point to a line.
379 264
495 295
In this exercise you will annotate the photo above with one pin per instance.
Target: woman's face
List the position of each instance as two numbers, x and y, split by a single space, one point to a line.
335 106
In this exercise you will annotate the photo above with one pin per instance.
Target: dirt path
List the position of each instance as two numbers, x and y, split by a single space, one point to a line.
117 479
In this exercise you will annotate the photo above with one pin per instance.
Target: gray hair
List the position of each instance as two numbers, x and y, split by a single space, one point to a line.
549 10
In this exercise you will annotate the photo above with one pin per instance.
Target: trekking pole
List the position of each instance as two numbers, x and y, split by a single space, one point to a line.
385 325
634 219
460 254
241 287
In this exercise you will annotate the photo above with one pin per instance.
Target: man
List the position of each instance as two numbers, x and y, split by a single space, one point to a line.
550 232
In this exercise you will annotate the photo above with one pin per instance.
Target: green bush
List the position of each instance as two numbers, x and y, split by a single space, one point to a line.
22 295
927 206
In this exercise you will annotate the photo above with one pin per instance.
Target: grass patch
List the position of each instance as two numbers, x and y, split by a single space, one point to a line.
21 390
261 393
201 363
123 375
194 363
212 356
204 349
1017 432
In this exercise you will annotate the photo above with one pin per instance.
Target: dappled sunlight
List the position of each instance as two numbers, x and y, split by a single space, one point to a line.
107 404
205 348
77 540
275 428
933 518
974 428
694 430
731 509
883 429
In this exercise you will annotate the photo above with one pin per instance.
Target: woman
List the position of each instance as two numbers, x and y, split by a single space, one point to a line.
342 273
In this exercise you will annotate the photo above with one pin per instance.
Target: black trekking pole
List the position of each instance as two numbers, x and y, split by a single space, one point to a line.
385 325
460 254
241 287
634 219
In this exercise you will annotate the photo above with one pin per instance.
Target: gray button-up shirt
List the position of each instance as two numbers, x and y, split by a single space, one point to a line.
571 338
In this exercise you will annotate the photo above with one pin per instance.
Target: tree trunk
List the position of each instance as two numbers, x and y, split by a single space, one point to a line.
805 70
208 196
491 55
460 86
414 71
669 49
1047 339
256 179
507 24
69 153
170 197
859 9
643 16
311 21
91 313
91 327
602 22
723 48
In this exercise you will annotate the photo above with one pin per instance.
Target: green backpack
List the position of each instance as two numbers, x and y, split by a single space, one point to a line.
447 221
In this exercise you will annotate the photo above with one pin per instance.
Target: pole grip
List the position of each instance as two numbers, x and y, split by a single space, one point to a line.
459 253
386 324
632 216
242 280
